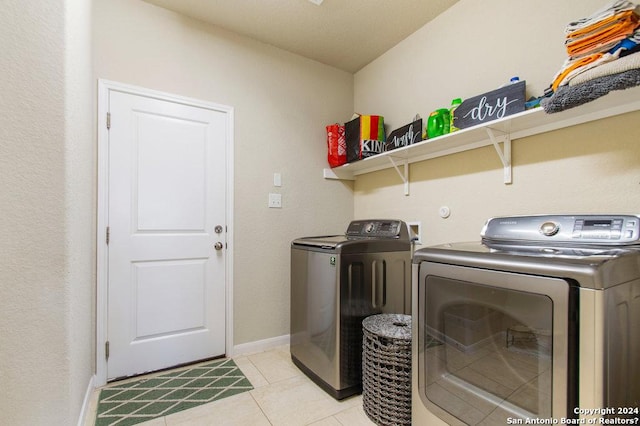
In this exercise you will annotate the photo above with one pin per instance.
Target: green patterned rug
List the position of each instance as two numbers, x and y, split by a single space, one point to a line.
140 400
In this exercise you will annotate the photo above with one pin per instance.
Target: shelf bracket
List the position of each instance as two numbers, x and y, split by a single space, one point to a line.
504 153
404 175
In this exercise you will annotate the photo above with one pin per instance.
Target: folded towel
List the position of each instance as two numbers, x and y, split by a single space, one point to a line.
608 11
626 52
570 65
572 96
598 25
574 66
606 58
625 63
602 38
629 43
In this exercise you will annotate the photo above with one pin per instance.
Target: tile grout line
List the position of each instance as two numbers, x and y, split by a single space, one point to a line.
254 398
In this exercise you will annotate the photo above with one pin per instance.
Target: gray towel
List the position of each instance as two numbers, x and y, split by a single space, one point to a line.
571 96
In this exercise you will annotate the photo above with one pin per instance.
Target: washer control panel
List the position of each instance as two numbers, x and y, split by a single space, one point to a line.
376 229
582 229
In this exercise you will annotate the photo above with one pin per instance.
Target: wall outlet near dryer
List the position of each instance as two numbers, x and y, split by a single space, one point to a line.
275 201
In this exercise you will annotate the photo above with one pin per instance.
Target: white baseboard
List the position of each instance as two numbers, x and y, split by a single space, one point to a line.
85 410
259 345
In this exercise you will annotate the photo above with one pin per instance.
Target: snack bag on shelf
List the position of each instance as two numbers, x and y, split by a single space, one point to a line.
336 145
365 136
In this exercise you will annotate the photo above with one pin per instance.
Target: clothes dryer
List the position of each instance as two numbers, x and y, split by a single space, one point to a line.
538 322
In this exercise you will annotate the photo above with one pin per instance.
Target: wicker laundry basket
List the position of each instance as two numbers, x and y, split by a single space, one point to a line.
386 368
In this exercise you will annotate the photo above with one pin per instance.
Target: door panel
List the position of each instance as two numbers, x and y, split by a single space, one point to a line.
166 302
169 297
171 174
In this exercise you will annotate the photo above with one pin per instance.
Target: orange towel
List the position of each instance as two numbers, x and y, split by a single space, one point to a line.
611 9
596 26
603 36
585 60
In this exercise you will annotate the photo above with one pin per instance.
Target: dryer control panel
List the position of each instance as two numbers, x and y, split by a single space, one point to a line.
560 229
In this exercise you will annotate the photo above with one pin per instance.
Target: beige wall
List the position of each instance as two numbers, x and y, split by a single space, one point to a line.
282 103
46 205
472 48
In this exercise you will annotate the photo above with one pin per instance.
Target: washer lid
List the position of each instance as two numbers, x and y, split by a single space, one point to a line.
369 235
328 242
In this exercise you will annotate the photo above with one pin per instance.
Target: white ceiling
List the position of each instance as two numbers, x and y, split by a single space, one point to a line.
346 34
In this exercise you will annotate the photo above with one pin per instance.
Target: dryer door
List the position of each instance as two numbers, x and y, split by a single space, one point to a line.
493 345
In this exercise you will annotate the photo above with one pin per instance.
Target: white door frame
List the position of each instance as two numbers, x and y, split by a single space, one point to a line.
104 87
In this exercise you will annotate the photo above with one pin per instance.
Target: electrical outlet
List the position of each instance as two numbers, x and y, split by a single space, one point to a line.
275 201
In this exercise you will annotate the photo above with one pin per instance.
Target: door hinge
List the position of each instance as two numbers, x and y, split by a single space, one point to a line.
108 120
108 234
106 349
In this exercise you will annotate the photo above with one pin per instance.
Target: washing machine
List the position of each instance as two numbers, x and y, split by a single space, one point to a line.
336 282
536 323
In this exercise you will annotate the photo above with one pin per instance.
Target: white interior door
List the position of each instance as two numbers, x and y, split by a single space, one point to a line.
166 196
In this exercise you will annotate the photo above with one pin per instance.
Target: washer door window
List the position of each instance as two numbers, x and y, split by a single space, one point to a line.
492 345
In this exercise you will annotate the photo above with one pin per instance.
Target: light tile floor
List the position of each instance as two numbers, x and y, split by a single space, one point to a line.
282 396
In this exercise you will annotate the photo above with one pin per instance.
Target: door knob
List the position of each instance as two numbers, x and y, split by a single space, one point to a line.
218 246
